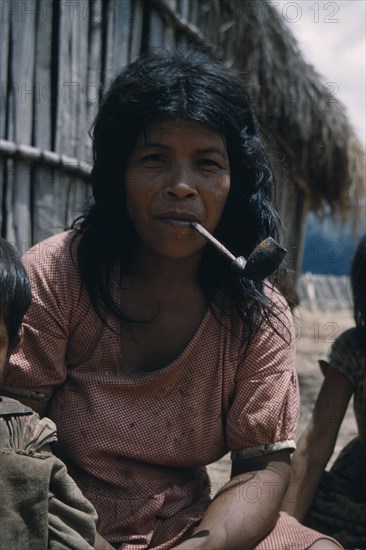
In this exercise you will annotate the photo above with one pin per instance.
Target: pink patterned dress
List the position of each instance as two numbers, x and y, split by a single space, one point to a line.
137 443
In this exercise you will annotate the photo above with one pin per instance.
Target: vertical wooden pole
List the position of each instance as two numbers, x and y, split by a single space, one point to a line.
23 31
4 103
157 30
122 26
136 29
43 177
71 120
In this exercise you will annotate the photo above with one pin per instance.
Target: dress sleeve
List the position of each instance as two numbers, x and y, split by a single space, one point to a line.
265 407
343 354
37 366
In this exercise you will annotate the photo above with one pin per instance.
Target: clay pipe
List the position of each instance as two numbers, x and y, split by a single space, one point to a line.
264 259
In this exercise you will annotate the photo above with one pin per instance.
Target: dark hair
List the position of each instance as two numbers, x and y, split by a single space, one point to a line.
185 85
358 278
15 290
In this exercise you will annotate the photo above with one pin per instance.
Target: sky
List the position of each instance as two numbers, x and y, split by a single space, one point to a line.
331 36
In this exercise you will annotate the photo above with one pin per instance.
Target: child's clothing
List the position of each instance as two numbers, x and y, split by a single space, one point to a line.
339 507
40 505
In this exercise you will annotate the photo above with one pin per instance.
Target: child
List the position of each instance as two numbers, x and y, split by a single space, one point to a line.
334 502
40 506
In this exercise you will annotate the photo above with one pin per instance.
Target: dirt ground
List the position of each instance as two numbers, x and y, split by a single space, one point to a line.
314 335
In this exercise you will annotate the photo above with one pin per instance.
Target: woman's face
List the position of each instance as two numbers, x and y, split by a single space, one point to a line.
178 172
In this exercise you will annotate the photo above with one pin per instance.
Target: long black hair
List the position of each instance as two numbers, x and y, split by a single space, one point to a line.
185 85
358 278
15 290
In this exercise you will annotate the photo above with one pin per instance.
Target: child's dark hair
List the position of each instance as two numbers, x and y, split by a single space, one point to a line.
358 278
15 290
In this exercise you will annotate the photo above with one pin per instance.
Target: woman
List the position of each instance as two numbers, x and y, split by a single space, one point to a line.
335 501
152 359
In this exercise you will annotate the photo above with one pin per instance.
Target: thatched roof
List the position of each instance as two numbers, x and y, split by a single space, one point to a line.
297 107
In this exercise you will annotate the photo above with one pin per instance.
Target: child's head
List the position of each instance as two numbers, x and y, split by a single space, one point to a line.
358 278
15 298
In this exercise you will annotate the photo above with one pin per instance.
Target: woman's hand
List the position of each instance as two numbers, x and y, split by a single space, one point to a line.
191 544
199 540
102 544
236 519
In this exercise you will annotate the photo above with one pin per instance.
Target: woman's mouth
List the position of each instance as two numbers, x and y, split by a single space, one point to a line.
178 219
175 221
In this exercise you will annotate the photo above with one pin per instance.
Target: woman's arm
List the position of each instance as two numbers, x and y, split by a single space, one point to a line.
101 543
246 508
316 444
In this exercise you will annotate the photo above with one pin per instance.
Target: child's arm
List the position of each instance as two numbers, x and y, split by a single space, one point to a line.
316 444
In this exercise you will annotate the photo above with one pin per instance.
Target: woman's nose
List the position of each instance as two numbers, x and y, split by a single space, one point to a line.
181 185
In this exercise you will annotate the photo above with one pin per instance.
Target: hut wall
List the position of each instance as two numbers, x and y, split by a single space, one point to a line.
56 60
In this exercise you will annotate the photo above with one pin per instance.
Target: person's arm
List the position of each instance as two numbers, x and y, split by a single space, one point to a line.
316 444
246 508
101 543
260 428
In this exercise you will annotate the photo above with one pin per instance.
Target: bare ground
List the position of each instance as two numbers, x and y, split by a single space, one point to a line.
314 335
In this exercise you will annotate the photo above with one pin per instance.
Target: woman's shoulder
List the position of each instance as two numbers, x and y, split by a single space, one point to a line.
279 315
276 318
52 267
276 298
50 249
276 303
53 258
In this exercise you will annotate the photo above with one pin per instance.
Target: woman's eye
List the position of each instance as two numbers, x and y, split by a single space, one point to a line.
154 158
209 165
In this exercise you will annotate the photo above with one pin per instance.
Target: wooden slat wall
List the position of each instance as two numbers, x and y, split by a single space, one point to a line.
156 37
4 103
136 28
71 121
60 57
43 207
20 126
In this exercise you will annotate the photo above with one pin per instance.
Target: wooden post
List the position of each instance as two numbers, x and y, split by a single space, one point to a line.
93 89
137 18
24 95
43 176
156 30
71 117
4 53
122 27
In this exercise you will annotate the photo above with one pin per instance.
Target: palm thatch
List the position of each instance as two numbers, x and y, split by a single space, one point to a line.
297 107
